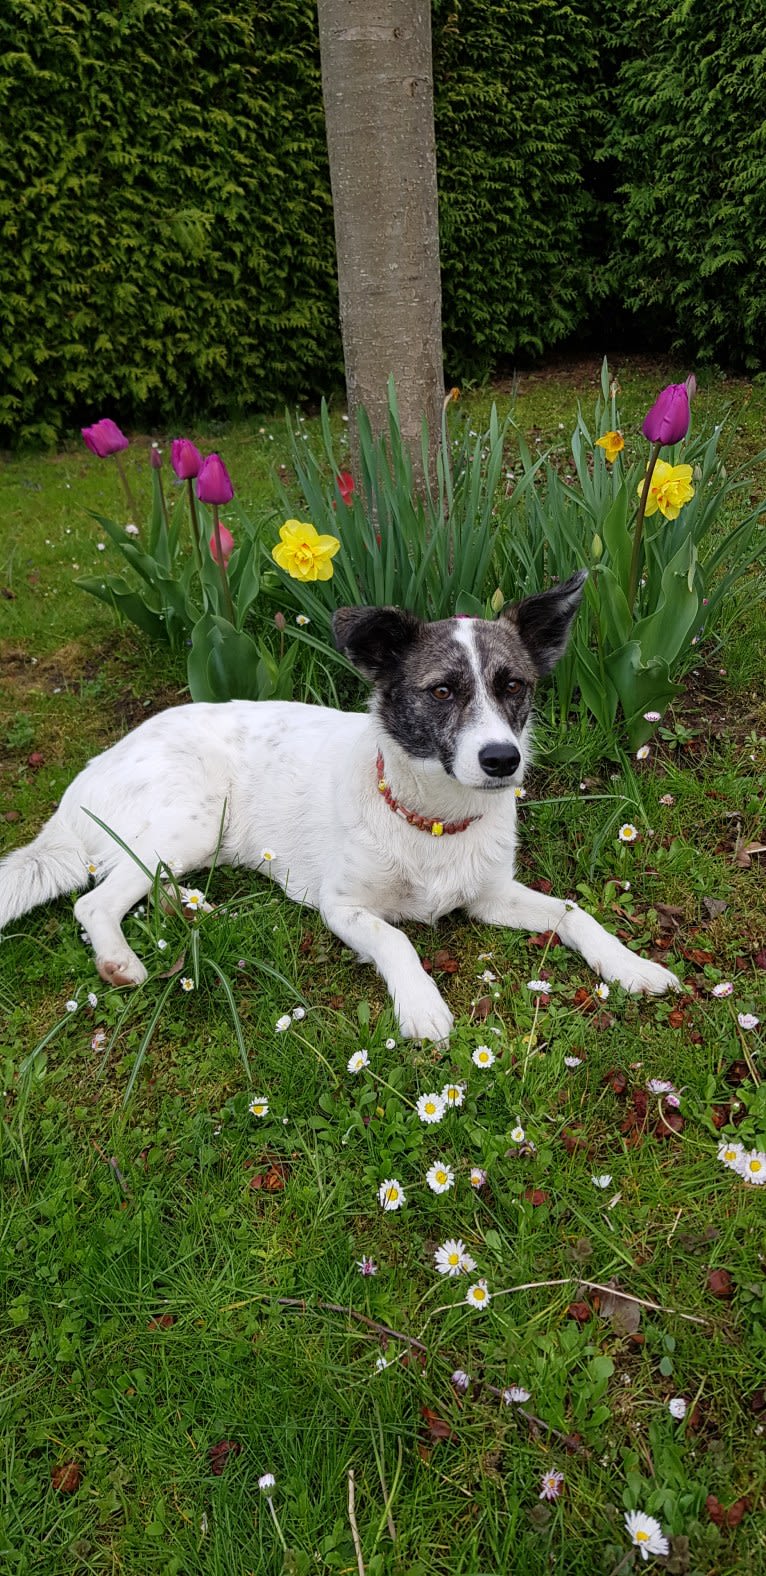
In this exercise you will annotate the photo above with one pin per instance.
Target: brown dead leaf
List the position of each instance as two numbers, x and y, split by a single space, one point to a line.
720 1284
542 884
668 917
572 1139
726 1518
623 1314
759 959
737 1073
218 1455
161 1321
437 1427
445 963
67 1479
482 1009
272 1179
758 1401
175 968
714 907
35 760
696 955
676 1018
670 1123
306 943
745 853
617 1080
545 938
581 1312
536 1196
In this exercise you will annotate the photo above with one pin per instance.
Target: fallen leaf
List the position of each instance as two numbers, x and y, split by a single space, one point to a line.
162 1321
445 963
668 916
714 907
720 1284
758 1401
536 1196
746 852
737 1073
437 1427
759 959
545 938
720 1115
572 1140
175 968
67 1479
696 955
623 1314
726 1518
542 884
580 1312
677 1018
617 1080
670 1122
218 1455
11 815
35 760
482 1008
272 1179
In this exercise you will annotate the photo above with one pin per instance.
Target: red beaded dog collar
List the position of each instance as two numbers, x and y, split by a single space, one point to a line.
422 822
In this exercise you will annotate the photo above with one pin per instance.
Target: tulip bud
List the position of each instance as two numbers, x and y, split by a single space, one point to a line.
497 600
104 438
597 546
214 482
345 484
228 545
185 459
668 420
280 621
155 457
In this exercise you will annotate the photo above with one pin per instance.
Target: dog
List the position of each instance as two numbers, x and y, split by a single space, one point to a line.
405 812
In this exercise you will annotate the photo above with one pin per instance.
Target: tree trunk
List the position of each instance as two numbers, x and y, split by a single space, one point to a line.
377 83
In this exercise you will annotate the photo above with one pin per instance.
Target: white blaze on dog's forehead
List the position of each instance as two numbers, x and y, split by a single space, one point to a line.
487 724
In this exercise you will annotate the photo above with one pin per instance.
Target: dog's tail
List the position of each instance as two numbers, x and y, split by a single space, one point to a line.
52 864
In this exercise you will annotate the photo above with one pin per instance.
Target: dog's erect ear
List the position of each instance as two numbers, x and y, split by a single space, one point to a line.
544 621
374 638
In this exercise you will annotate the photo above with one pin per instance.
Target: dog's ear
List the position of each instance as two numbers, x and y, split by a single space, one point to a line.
543 622
374 638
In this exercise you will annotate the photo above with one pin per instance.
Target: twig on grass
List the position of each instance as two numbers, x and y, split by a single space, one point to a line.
577 1280
352 1519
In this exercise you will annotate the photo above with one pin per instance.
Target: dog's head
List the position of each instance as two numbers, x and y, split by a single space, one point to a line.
459 692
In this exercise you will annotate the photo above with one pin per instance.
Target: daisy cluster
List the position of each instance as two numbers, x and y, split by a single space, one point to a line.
750 1164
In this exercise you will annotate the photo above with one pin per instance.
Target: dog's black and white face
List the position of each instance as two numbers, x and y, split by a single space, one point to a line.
459 692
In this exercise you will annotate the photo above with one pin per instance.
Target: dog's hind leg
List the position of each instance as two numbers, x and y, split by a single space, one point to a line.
520 908
101 911
422 1013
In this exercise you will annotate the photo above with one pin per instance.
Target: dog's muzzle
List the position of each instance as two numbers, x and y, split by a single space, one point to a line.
499 760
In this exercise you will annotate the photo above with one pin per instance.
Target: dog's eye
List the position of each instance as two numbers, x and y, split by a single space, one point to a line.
442 692
514 686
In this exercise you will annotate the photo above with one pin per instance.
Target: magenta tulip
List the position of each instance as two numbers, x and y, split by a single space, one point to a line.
228 545
214 483
104 438
668 420
185 459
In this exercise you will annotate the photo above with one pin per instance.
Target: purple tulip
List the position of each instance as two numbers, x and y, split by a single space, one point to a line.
185 459
104 438
214 482
155 457
668 420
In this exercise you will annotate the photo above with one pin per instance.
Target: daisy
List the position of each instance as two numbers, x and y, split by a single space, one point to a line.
381 1363
359 1060
551 1484
646 1533
603 1181
460 1381
538 985
282 1023
628 833
267 1482
488 977
299 1014
430 1108
519 793
667 798
440 1177
643 753
516 1395
678 1407
187 984
391 1194
518 1135
723 988
390 1045
451 1258
673 1100
651 716
71 1006
161 944
485 957
259 1106
192 898
660 1086
477 1296
730 1154
302 620
131 529
98 1039
453 1094
367 1266
747 1020
483 1056
573 1061
92 867
602 991
267 854
92 999
478 1177
752 1167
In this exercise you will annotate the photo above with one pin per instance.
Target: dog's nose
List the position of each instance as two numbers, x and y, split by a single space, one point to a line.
499 760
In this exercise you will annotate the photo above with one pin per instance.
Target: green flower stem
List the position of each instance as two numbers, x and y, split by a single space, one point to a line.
194 526
163 503
280 1533
231 615
130 500
638 528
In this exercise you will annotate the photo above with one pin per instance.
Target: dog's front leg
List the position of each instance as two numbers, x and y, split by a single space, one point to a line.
421 1011
520 908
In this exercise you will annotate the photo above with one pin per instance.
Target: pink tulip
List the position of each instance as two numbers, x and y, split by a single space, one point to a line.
104 438
228 545
185 459
214 482
668 419
155 457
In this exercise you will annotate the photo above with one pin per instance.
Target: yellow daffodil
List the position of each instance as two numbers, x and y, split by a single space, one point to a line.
671 487
303 553
612 444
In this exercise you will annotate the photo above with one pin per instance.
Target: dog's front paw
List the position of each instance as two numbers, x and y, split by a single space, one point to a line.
125 970
642 977
424 1015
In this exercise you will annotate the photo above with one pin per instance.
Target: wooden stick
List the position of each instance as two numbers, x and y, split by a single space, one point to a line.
352 1519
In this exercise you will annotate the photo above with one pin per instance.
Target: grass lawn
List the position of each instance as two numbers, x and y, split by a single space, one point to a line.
182 1307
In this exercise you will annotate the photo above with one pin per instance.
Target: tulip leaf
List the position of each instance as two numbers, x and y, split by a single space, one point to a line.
117 594
222 663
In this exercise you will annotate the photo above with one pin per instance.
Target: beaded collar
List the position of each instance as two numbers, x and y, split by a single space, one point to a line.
423 823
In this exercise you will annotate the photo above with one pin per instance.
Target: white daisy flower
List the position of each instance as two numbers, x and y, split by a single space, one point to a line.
488 977
381 1363
659 1086
752 1167
71 1006
359 1060
299 1014
98 1039
516 1395
367 1266
453 1094
478 1295
551 1484
460 1380
668 798
723 988
92 999
390 1045
440 1177
519 793
283 1023
267 854
92 867
678 1407
747 1020
478 1177
573 1061
518 1135
483 1056
452 1259
391 1194
187 984
302 620
192 898
538 985
646 1533
603 1181
259 1106
267 1482
643 753
730 1154
602 991
161 944
430 1108
651 716
628 833
485 957
131 529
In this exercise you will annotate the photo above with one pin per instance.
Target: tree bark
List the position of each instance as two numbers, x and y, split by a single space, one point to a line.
377 83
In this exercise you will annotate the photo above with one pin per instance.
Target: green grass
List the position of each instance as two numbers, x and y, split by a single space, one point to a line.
166 1200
